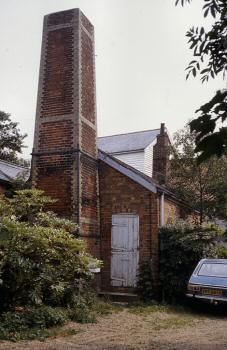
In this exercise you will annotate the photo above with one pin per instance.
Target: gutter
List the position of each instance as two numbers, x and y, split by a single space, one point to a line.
162 209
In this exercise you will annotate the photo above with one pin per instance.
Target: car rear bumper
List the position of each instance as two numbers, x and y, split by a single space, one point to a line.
211 298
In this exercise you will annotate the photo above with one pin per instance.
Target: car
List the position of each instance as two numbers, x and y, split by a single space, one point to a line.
209 281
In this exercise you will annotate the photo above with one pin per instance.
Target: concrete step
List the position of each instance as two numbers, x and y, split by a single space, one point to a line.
119 296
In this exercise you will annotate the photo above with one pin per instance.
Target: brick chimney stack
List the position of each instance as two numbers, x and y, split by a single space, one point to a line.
161 156
65 152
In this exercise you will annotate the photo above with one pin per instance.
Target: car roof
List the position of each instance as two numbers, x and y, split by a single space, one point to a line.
208 261
214 261
208 280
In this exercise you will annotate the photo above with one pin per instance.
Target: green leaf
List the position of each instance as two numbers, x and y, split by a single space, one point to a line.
206 12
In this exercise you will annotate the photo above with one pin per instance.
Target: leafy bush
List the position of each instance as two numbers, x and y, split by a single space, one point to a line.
42 265
182 246
82 308
24 323
30 323
145 283
221 250
82 315
26 204
41 261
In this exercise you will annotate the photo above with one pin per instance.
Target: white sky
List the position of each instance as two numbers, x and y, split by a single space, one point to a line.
141 55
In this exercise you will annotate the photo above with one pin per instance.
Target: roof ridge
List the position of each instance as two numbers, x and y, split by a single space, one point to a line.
127 133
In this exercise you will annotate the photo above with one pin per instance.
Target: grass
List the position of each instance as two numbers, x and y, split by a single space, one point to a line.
146 309
164 316
63 332
175 316
104 307
173 322
38 333
158 316
195 310
47 322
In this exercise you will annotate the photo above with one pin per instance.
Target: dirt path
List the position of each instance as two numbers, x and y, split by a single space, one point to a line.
147 331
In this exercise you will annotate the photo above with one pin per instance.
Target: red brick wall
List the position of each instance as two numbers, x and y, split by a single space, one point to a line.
89 208
57 18
57 97
172 211
88 96
87 24
89 168
119 194
54 176
88 139
65 151
161 156
56 135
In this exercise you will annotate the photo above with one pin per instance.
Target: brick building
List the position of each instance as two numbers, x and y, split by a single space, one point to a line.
115 193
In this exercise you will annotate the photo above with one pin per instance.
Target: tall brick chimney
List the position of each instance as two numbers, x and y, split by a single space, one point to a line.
161 156
64 156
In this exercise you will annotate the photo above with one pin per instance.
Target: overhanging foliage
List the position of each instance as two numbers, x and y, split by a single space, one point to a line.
210 59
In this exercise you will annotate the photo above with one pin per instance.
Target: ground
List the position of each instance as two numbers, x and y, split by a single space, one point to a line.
146 328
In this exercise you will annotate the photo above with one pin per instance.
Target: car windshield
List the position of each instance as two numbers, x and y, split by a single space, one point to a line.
213 270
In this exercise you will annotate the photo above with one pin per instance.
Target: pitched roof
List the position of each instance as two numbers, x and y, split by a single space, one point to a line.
133 141
129 171
9 171
137 176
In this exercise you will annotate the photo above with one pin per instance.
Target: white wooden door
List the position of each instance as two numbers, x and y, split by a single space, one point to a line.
124 250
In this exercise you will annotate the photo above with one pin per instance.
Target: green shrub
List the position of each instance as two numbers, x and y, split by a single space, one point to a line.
42 266
82 307
145 283
30 323
82 315
182 246
221 250
45 271
41 260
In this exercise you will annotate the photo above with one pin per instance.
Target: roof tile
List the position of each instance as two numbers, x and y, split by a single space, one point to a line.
134 141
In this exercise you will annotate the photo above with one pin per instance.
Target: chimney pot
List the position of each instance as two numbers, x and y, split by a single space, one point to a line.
162 129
